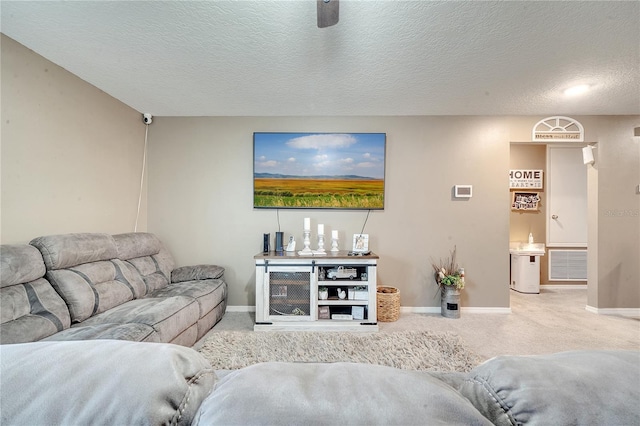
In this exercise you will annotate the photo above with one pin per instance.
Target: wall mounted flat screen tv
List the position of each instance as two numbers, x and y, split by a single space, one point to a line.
319 170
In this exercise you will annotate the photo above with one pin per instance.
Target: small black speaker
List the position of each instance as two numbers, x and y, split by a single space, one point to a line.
279 238
265 243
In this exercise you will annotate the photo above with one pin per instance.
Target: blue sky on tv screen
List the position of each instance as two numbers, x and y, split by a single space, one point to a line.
320 154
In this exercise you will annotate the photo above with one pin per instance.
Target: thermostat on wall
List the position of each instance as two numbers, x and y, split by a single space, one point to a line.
463 191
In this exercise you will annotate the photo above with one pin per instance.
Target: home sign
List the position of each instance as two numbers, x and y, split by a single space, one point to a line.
558 129
531 179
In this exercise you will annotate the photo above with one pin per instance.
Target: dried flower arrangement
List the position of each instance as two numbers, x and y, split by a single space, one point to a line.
447 272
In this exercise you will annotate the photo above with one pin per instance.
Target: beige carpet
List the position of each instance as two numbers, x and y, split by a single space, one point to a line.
553 321
411 350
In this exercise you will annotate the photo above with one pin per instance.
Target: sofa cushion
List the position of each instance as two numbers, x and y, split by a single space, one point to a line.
169 317
188 337
84 270
30 309
67 250
134 332
92 288
577 388
120 383
334 394
206 322
196 272
136 244
146 257
20 263
148 269
208 293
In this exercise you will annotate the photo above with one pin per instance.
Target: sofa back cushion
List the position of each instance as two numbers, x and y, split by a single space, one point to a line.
30 309
65 251
84 270
146 256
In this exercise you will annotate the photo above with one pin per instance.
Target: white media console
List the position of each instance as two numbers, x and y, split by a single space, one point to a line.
336 291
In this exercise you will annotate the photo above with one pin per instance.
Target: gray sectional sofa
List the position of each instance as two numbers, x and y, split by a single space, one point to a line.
115 382
99 286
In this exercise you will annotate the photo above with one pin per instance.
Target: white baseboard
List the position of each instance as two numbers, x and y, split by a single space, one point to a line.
436 310
240 308
564 286
420 309
494 310
406 309
624 312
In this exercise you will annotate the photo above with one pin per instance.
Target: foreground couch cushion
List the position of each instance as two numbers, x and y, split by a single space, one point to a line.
334 394
101 382
567 388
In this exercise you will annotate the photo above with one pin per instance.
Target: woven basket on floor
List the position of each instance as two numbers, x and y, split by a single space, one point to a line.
388 303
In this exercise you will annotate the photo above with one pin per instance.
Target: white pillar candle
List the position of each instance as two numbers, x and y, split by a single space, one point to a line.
320 229
307 224
334 234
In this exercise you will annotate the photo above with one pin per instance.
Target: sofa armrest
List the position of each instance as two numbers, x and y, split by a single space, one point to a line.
196 272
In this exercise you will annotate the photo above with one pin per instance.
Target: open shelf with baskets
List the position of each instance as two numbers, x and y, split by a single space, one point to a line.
331 292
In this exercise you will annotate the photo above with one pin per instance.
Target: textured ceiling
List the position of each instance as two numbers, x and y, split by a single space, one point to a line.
268 58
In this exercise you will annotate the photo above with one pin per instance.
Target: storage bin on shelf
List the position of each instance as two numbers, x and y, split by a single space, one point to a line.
388 303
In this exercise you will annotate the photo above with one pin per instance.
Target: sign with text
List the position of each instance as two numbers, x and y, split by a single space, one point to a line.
558 129
525 201
525 179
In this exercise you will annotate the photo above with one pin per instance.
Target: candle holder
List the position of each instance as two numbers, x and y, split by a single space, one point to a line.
334 244
306 251
320 245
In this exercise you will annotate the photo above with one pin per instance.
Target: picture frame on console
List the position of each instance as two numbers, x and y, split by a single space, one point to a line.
319 170
360 243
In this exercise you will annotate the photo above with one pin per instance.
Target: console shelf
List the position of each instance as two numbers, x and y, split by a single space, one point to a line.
330 292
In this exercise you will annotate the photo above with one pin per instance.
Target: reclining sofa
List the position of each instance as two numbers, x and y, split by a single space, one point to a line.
99 286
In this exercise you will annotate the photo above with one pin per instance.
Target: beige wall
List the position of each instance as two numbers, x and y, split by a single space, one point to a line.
618 214
71 155
200 199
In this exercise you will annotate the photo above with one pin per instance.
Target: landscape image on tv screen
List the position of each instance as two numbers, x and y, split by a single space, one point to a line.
319 170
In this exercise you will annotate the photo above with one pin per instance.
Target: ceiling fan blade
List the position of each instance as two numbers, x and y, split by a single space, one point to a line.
328 12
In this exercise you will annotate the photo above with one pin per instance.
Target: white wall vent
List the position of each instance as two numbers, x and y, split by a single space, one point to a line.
567 265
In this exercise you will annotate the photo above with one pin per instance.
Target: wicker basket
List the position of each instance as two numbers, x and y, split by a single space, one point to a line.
388 304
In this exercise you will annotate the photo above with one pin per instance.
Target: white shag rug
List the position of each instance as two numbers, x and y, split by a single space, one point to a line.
409 350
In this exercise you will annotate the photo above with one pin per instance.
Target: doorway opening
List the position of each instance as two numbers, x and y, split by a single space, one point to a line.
558 217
